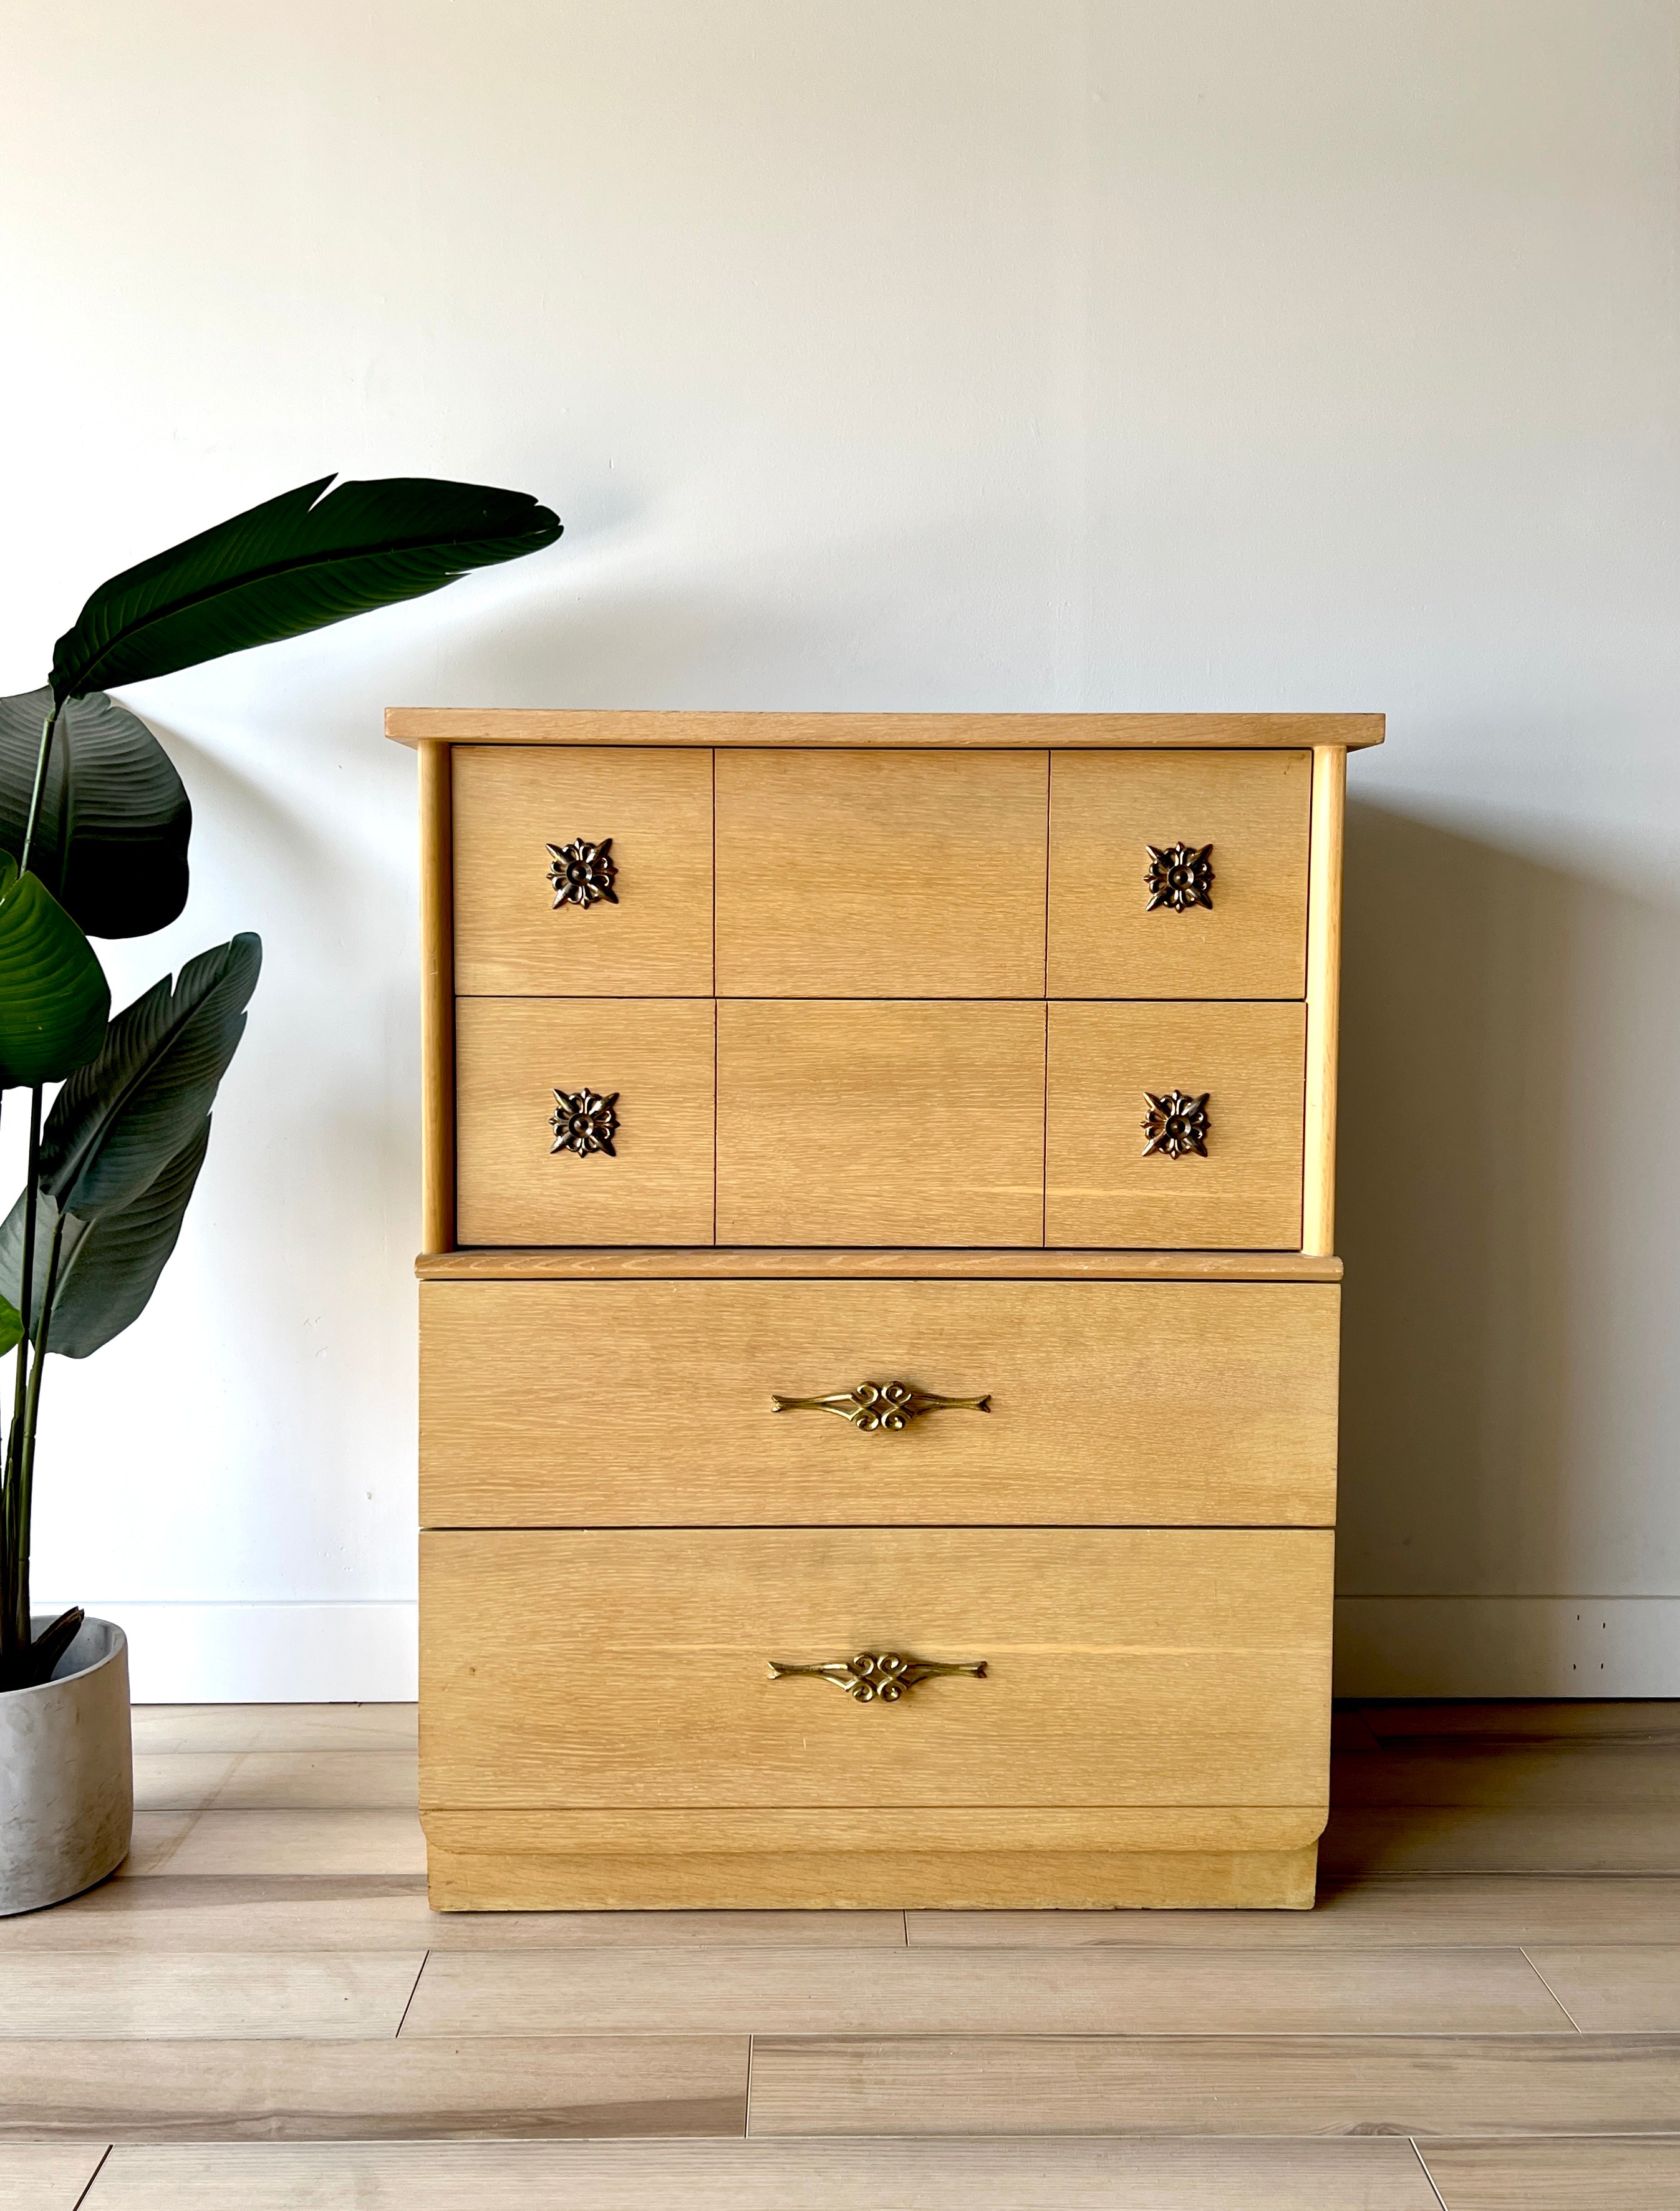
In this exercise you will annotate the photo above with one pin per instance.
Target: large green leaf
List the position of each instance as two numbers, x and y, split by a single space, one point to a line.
54 999
110 843
118 1122
11 1324
293 564
107 1268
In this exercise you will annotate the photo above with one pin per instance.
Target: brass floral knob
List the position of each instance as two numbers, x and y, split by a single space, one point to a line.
1179 875
876 1677
583 1122
1176 1124
582 874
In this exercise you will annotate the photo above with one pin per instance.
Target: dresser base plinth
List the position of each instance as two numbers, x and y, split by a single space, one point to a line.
859 1881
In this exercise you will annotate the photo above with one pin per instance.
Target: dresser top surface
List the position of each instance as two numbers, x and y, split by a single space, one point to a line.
522 725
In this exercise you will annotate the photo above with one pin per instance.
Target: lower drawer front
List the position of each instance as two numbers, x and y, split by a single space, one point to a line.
590 1404
632 1667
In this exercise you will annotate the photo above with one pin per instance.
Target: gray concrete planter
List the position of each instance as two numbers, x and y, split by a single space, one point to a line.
66 1774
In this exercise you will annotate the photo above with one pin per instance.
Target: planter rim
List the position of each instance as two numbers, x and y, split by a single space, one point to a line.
116 1643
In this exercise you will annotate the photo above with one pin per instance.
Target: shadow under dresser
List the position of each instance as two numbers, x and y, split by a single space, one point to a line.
879 1318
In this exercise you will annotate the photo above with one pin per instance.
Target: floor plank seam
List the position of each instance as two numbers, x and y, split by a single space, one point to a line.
402 2023
1428 2176
1552 1992
93 2176
747 2101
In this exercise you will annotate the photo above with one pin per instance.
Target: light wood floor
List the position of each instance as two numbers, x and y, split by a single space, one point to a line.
1483 2012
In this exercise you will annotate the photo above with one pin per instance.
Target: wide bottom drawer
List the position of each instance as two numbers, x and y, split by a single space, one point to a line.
659 1668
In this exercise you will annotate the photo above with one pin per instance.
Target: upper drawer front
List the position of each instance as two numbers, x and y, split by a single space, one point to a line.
882 875
1181 1127
632 1667
1221 913
583 1121
1185 1402
630 912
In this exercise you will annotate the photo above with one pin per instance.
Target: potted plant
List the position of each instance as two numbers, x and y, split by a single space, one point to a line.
95 825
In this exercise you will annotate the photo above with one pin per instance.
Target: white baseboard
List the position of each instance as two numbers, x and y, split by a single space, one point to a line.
265 1654
1508 1646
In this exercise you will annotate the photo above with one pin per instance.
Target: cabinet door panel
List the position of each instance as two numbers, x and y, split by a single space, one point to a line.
1106 1064
652 936
888 874
1226 918
861 1121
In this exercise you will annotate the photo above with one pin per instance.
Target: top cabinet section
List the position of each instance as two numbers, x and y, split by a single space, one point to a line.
583 871
1179 874
882 875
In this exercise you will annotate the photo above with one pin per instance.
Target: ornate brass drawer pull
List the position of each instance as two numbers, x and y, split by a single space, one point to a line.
1176 1124
1179 876
874 1406
582 874
876 1676
583 1122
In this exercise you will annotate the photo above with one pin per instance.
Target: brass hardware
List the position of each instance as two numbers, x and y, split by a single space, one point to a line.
583 1122
1176 1124
875 1676
1180 876
582 874
874 1406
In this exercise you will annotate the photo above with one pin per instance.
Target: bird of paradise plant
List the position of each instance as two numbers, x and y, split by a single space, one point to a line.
95 825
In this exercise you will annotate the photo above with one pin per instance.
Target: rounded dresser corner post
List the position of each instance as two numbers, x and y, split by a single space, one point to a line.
437 877
1324 954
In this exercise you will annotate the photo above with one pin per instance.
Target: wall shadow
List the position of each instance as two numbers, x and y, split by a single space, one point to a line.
1509 1191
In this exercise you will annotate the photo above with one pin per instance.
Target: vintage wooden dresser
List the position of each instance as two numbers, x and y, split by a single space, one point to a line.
879 1320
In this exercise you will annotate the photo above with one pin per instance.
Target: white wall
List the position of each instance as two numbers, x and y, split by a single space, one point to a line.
999 353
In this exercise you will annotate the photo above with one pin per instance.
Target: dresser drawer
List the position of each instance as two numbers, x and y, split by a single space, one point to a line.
583 869
1179 874
634 1666
882 875
860 1121
651 1404
545 1085
1177 1126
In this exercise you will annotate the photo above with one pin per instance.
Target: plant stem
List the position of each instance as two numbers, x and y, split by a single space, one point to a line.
43 754
24 1475
15 1520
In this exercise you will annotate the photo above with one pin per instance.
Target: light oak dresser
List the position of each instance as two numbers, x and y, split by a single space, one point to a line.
879 1320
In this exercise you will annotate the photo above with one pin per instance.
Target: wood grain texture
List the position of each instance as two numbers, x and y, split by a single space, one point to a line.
546 1865
275 1841
882 875
1107 809
1227 2085
718 2176
251 1780
1424 1909
902 1121
1102 1189
656 1054
1149 1668
1083 1379
291 1728
116 1995
1614 1991
906 1992
526 725
756 1263
269 2091
46 2176
1527 1775
437 1003
376 1911
512 803
1323 965
1594 2173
